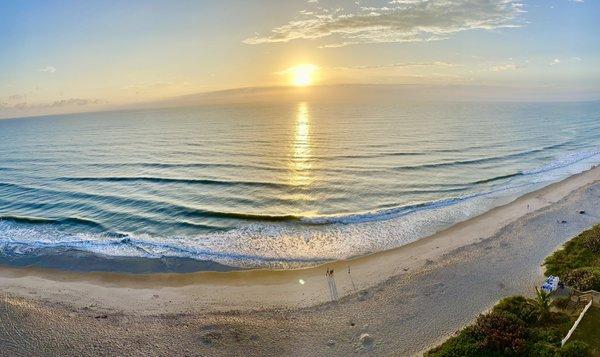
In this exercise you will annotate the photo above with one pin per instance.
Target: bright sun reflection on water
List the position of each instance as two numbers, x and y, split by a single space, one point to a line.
300 160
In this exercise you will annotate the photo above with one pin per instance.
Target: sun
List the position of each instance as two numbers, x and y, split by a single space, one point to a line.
303 75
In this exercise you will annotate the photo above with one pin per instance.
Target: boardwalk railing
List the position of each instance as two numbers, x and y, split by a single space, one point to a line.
594 298
593 295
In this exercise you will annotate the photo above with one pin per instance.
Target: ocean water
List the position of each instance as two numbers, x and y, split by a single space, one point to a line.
282 186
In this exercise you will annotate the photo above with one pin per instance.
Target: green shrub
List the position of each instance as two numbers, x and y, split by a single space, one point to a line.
550 335
519 306
501 331
592 240
463 344
584 278
544 349
575 349
581 251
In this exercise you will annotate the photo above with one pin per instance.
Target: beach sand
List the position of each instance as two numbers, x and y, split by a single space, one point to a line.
397 302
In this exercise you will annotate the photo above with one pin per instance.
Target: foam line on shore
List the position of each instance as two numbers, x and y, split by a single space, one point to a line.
265 288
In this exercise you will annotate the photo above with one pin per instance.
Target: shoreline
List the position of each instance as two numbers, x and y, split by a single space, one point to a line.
245 288
408 298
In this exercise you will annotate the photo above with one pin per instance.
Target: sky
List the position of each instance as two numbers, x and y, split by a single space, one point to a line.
64 56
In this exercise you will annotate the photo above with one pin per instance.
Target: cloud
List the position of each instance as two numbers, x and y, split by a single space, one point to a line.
504 67
397 21
48 69
565 60
290 70
402 64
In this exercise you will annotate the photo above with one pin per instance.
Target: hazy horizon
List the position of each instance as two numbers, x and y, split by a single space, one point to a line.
334 93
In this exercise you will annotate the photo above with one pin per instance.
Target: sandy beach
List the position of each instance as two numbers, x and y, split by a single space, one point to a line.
400 301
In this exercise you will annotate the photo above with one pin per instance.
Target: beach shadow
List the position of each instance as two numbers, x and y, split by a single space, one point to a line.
351 280
333 292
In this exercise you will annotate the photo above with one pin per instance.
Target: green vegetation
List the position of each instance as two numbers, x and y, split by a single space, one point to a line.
515 326
589 330
542 302
578 263
521 326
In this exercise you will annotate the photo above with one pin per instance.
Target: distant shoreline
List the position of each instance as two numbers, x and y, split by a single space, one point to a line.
291 94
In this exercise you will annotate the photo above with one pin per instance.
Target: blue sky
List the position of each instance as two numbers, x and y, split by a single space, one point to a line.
62 54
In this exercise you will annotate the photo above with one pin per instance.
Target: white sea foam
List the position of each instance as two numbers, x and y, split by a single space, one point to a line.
296 243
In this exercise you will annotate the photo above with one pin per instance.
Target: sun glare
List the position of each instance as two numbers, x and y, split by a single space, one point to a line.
302 75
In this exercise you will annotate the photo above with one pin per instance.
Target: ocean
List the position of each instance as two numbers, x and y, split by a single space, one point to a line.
279 185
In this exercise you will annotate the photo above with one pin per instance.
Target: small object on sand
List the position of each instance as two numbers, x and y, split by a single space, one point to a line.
563 221
366 341
362 296
581 212
101 317
331 343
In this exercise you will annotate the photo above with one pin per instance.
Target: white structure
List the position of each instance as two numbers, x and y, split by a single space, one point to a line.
551 284
585 309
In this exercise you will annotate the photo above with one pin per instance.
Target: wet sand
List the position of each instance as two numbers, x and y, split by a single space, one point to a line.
405 299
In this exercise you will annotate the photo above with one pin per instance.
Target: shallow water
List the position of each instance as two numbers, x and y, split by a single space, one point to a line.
280 185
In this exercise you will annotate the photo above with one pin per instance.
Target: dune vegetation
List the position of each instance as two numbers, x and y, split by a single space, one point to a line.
524 326
515 326
578 263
